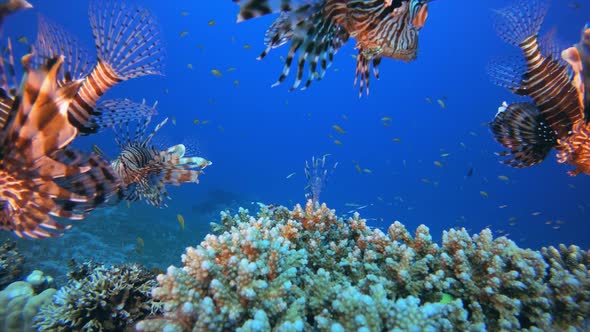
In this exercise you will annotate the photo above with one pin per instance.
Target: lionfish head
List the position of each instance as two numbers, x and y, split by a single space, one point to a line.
405 46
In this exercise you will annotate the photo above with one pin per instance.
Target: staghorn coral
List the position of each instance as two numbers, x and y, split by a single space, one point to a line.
11 263
100 298
306 269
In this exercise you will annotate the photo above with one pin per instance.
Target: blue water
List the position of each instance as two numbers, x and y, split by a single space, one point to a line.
257 135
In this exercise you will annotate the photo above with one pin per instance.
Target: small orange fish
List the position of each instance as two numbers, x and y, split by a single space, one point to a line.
339 129
503 178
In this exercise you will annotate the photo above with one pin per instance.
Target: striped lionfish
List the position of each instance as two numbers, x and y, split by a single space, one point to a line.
145 170
554 118
40 176
316 29
128 45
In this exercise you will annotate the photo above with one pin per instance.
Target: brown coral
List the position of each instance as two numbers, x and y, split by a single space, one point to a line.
309 270
107 299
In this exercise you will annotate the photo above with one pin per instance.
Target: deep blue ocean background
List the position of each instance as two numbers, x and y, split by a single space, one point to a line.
257 135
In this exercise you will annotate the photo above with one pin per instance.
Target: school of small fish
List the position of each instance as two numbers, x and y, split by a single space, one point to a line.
66 84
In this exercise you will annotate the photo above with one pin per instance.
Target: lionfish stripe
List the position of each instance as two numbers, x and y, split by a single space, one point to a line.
97 183
255 8
178 177
547 82
43 114
522 129
82 109
151 135
51 189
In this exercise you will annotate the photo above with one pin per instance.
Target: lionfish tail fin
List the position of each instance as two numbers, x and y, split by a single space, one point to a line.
115 112
53 40
520 20
128 39
521 128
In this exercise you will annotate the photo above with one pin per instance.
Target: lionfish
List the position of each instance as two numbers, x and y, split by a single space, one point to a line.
128 45
145 170
531 129
317 29
317 174
40 176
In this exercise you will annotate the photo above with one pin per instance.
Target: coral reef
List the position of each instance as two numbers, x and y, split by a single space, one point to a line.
100 298
20 301
306 269
11 263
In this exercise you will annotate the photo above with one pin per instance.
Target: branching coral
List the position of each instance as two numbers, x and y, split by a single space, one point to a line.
306 269
107 299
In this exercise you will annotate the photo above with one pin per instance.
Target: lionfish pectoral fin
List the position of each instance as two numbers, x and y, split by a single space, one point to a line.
521 128
363 73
